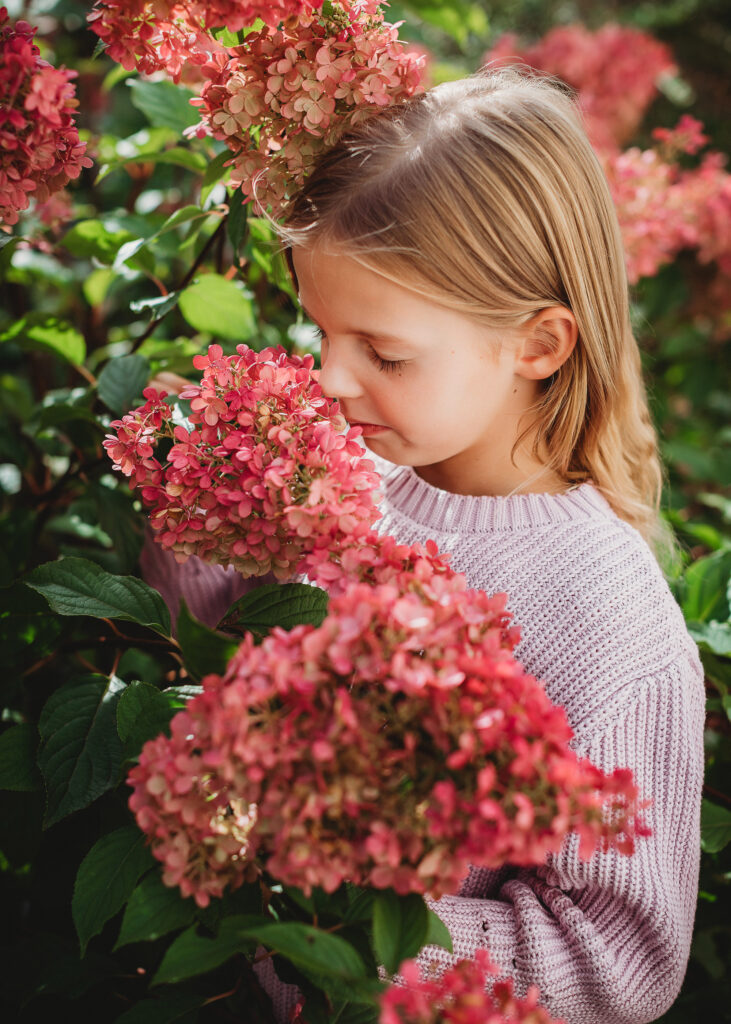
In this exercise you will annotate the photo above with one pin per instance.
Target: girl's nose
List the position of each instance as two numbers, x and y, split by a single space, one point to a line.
337 379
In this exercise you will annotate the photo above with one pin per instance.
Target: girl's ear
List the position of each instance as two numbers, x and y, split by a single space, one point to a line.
546 342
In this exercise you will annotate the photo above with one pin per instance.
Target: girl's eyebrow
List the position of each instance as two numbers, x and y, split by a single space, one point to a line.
368 335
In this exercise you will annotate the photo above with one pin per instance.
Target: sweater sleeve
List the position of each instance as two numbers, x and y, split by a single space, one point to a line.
606 940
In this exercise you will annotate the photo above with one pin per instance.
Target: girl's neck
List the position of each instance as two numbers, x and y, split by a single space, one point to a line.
498 479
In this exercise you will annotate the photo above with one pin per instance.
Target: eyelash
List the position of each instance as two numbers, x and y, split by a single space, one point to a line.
384 365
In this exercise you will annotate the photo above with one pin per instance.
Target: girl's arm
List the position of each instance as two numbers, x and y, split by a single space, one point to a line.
606 940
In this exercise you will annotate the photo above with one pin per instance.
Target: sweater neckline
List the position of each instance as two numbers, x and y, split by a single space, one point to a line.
423 503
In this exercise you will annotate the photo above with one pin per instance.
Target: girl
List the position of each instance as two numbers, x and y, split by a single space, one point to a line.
461 255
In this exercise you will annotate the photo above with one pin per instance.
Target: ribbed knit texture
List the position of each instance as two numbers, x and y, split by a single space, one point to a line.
606 941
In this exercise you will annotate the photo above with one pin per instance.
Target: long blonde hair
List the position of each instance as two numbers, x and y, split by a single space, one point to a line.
486 196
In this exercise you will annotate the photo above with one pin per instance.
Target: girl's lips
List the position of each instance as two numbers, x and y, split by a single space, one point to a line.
368 428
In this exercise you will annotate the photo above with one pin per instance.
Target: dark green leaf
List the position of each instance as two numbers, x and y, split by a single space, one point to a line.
400 927
122 382
143 712
8 245
715 827
75 586
18 770
154 909
173 1006
164 103
311 949
217 306
106 878
118 518
214 173
706 588
274 604
80 751
192 954
158 307
236 222
204 650
438 933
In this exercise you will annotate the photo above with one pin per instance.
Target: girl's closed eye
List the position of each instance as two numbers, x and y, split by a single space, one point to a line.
385 365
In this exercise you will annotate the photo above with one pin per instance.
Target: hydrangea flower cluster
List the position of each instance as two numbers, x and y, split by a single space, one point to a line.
40 151
394 745
462 995
164 35
286 95
615 71
265 471
663 208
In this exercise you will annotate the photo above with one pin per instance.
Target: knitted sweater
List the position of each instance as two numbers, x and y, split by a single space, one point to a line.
606 940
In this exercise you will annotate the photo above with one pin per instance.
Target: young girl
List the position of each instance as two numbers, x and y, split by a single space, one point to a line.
461 255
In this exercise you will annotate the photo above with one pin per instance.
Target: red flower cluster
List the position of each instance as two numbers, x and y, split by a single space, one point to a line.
394 745
40 150
615 71
163 35
300 87
266 472
461 995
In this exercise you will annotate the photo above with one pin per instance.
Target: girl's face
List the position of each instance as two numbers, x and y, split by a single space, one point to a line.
432 388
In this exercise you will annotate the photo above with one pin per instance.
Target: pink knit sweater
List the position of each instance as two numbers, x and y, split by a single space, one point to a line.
606 940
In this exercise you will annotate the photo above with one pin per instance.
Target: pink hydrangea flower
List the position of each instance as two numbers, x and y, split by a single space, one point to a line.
40 151
463 995
392 746
615 71
286 94
265 472
165 35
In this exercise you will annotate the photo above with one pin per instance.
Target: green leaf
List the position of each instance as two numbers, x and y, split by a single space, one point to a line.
164 103
97 285
58 336
154 909
214 173
106 878
310 949
204 650
80 752
173 1006
713 636
715 827
75 586
192 954
143 712
122 382
400 927
90 238
215 305
706 585
276 604
158 307
18 770
236 221
438 933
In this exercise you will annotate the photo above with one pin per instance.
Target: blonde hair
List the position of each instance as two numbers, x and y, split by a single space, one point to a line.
486 196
